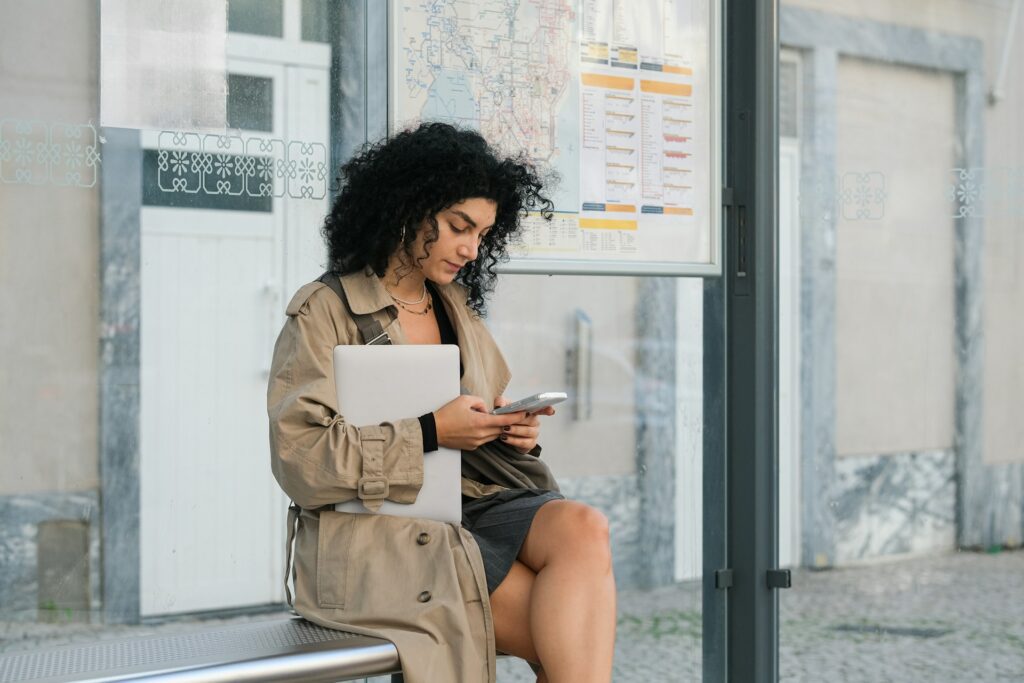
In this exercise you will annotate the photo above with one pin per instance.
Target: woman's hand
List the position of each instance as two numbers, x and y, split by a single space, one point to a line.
522 435
466 423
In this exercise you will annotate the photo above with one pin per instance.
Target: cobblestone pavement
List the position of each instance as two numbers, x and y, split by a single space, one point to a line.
942 619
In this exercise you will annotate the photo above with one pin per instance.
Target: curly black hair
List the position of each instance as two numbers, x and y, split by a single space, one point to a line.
403 181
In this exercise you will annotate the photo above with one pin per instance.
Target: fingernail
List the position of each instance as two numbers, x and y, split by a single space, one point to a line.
504 437
506 428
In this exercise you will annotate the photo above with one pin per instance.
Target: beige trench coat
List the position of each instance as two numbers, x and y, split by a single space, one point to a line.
418 583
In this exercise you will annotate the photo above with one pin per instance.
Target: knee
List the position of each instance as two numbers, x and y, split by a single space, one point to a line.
588 532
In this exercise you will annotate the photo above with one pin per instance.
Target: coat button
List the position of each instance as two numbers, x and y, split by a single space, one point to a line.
423 538
424 596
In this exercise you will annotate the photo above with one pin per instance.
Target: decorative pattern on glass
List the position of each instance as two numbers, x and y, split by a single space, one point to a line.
41 153
986 191
255 166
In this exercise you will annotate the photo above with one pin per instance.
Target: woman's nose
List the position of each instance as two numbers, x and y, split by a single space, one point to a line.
467 250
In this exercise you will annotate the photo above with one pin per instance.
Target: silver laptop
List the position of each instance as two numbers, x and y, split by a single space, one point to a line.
387 383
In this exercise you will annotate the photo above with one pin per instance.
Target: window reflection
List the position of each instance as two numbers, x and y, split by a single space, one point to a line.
250 102
258 17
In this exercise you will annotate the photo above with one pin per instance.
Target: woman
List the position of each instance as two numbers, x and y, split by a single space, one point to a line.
413 236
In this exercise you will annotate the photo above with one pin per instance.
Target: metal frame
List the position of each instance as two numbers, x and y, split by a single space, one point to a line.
359 75
382 55
636 268
741 606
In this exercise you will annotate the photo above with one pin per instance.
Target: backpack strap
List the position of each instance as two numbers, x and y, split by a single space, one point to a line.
289 569
369 328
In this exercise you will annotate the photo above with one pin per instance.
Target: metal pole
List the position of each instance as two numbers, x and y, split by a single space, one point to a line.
751 75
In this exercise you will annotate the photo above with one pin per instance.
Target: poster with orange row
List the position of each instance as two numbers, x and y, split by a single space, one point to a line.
645 133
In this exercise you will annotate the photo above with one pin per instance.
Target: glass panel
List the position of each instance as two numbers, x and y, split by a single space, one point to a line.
315 18
50 162
259 17
250 102
611 105
629 442
148 271
162 261
902 454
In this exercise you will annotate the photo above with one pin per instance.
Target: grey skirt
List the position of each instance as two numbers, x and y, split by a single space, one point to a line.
499 523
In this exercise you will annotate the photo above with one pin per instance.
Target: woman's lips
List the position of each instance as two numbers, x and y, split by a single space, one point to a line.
452 267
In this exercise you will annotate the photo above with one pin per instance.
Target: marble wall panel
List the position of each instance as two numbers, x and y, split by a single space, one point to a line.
21 516
894 504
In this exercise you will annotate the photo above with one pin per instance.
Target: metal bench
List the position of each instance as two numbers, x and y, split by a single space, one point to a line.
272 650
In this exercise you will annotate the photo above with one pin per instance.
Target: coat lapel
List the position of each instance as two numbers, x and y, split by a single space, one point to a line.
365 292
366 295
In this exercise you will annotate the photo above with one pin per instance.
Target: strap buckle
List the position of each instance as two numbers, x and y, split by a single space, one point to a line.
373 488
381 339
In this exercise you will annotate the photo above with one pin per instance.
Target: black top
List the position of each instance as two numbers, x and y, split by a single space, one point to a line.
448 336
444 323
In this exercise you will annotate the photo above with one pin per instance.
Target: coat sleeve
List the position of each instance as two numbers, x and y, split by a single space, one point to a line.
316 456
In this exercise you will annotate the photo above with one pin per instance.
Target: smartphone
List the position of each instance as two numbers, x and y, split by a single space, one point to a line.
532 403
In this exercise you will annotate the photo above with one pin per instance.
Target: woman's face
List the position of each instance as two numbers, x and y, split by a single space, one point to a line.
460 229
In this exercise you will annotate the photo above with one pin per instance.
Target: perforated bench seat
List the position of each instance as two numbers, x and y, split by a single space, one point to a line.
270 650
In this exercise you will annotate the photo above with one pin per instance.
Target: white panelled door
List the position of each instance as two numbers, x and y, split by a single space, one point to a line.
214 281
789 355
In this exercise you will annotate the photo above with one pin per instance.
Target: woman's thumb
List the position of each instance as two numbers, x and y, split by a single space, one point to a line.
476 403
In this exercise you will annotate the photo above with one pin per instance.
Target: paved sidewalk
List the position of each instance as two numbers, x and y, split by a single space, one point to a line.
957 617
942 619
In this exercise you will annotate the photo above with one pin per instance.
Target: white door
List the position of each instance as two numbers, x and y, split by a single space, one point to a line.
789 354
215 274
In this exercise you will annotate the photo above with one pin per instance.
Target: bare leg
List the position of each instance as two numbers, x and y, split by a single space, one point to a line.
572 602
510 610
